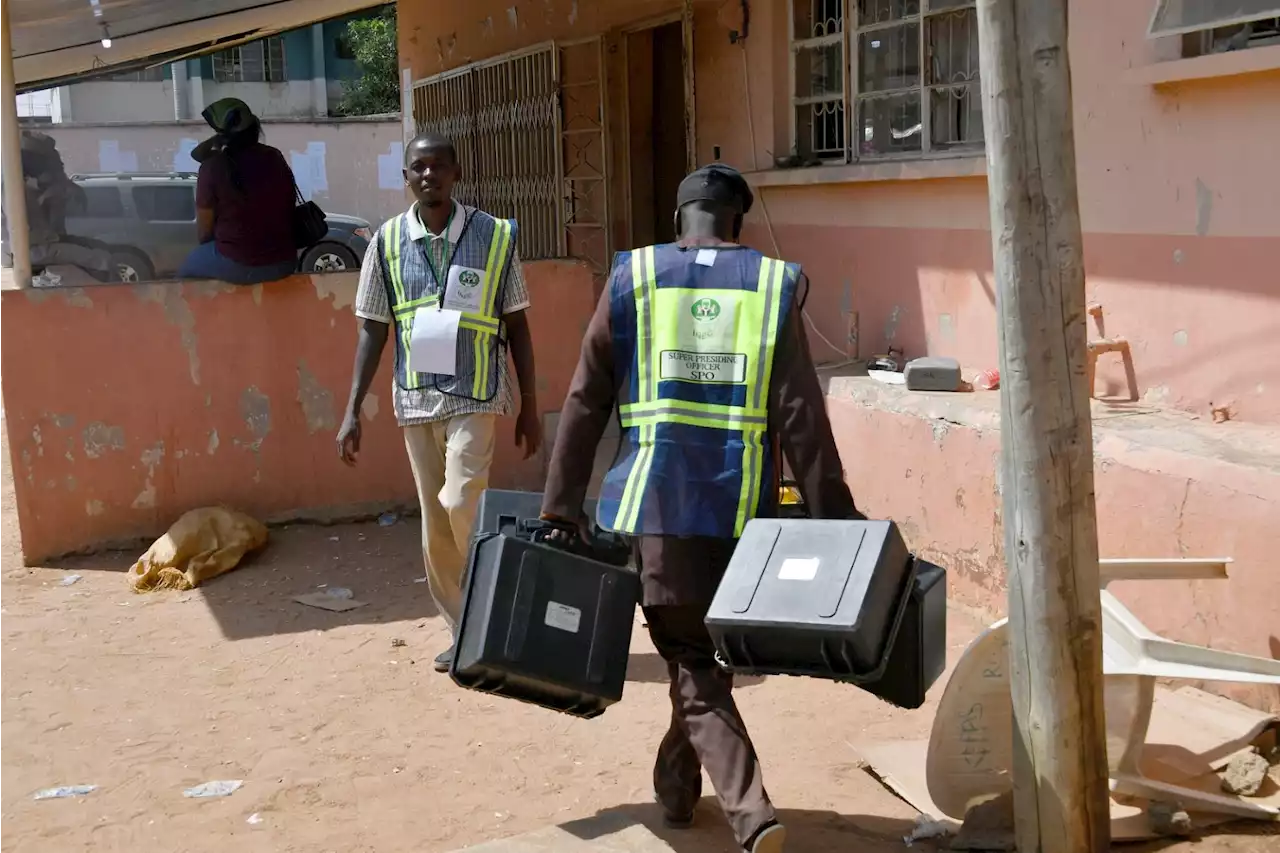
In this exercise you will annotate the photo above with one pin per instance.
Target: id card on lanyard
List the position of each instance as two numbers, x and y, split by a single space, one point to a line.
434 340
462 287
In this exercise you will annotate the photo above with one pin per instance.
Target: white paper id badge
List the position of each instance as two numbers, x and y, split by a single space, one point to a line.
433 345
464 290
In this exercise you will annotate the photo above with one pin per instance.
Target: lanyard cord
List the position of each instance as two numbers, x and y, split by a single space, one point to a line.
448 253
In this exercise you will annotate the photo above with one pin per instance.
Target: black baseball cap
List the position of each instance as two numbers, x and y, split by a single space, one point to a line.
717 183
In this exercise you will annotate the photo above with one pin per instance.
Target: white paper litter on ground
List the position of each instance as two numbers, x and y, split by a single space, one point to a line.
213 789
65 791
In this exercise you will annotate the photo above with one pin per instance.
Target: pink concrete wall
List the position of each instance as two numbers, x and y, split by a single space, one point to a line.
1180 219
1165 488
342 175
1180 231
128 405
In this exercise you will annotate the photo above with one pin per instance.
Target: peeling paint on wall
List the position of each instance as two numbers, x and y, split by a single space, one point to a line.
92 508
1204 207
369 408
213 443
341 288
151 458
178 313
891 324
316 400
513 17
1180 338
99 438
76 297
255 409
947 328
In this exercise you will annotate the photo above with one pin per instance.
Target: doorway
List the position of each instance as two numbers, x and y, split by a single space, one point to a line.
656 124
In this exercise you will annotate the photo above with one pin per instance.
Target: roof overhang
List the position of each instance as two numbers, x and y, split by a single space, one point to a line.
61 41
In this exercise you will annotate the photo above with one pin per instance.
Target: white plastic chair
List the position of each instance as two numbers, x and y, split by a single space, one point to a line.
970 756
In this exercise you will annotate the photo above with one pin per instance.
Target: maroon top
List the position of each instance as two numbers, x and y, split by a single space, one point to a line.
253 226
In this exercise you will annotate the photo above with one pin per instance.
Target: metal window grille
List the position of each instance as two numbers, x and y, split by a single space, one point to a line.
1176 17
261 61
502 117
819 56
884 78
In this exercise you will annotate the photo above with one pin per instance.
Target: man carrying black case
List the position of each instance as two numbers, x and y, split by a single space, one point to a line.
702 347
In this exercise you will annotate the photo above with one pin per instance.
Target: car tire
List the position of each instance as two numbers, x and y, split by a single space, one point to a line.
131 267
328 257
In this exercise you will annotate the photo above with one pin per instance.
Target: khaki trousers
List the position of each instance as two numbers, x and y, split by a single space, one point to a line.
450 461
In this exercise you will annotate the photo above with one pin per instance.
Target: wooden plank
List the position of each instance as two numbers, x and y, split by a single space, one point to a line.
1050 530
690 100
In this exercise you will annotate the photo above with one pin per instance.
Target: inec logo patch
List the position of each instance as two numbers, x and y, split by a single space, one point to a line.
705 310
468 278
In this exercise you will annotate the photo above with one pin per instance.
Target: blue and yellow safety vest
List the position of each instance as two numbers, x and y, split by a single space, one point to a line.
694 332
476 275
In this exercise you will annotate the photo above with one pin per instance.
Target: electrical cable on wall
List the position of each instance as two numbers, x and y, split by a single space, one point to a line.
764 208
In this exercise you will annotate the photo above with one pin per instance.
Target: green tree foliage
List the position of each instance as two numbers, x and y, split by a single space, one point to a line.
377 89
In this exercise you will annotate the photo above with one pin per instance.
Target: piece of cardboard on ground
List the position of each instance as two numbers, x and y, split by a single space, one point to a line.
325 601
604 833
1192 734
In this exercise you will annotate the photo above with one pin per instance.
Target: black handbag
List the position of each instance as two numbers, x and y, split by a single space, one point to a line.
309 225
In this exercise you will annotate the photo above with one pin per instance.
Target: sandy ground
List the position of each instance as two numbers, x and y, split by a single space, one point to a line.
345 739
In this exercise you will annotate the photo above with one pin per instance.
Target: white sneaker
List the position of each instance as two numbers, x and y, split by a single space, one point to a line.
770 840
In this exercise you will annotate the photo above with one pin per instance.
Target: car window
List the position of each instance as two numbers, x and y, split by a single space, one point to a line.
165 203
103 203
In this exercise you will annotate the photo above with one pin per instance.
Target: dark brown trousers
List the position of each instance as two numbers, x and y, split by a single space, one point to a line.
706 728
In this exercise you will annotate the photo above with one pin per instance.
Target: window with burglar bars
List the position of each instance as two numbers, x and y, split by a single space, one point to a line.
256 62
1217 26
502 118
884 78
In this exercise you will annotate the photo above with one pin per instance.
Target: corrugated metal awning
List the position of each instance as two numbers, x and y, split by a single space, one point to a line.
61 41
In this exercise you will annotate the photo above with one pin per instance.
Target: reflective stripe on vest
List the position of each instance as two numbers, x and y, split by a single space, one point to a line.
482 327
729 342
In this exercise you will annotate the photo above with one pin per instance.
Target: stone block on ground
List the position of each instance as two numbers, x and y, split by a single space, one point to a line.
1169 819
1245 774
988 827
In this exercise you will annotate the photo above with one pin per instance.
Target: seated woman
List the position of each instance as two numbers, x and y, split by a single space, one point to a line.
244 204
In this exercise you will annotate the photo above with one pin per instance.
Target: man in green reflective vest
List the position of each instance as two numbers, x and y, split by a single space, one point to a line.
447 278
701 346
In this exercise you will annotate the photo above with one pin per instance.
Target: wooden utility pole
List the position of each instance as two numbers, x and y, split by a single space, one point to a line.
1050 526
15 184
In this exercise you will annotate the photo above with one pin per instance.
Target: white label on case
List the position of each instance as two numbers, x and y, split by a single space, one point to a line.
799 569
563 617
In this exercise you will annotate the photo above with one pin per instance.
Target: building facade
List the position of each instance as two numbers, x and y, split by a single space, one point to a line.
297 74
859 124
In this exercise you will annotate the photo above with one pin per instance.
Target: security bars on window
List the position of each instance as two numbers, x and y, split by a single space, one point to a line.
259 61
502 118
914 71
1179 17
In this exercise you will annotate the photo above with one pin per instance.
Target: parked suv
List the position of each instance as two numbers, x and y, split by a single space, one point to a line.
148 222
